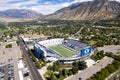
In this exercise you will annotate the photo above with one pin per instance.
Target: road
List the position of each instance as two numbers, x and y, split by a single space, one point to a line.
33 69
115 75
79 30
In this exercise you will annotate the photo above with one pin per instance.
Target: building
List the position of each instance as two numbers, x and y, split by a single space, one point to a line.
42 49
51 42
39 51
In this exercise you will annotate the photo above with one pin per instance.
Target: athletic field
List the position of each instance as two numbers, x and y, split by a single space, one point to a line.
62 51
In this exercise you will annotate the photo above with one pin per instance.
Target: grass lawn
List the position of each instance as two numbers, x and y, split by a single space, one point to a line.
63 51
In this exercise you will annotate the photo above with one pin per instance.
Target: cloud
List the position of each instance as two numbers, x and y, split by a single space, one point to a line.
82 0
17 1
41 6
48 8
47 3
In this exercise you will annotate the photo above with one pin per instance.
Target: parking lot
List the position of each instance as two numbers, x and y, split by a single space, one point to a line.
9 58
8 71
111 48
88 72
8 63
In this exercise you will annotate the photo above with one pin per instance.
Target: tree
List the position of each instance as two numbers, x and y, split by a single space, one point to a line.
116 64
111 68
75 64
60 73
109 54
100 55
117 57
57 63
52 76
49 67
66 37
55 67
37 65
69 72
64 72
74 70
81 65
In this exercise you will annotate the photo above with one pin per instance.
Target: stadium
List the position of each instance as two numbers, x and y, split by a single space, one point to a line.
62 50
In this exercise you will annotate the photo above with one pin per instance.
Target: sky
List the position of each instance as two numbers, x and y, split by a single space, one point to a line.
42 6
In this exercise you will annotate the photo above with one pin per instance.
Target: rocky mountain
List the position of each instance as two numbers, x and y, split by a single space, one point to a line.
91 10
18 15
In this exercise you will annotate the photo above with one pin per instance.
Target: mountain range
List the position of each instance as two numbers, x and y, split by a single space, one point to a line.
91 10
19 15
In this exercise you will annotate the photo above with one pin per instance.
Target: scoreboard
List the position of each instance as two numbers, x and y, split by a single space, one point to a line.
86 51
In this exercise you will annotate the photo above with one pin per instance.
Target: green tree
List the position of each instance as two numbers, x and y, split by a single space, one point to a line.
75 64
81 65
55 67
49 67
52 76
111 68
74 70
64 72
60 73
69 72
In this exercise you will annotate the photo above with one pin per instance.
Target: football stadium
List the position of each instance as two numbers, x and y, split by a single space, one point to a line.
62 50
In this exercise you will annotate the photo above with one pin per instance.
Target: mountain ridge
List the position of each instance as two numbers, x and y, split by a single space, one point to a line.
18 15
90 10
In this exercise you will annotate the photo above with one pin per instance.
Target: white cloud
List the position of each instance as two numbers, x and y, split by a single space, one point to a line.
48 9
47 3
82 0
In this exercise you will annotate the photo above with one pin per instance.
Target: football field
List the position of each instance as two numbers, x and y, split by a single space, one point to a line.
63 51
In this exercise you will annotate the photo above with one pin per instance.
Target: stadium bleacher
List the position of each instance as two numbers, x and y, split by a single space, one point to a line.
74 44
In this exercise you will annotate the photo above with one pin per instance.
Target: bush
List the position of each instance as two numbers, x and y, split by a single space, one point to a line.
17 43
8 46
109 54
100 55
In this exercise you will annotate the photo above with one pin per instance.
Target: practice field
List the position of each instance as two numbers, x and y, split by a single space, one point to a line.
63 51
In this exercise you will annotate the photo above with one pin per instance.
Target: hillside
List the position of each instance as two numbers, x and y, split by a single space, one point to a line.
91 10
18 15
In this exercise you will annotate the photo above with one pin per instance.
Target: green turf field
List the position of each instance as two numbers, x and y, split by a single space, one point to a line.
63 51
